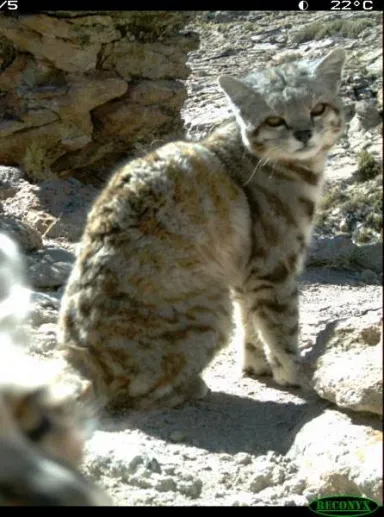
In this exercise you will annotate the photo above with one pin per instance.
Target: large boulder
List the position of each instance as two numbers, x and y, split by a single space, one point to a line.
338 456
347 363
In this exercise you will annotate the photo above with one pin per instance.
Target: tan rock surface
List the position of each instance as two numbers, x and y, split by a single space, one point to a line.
349 369
66 68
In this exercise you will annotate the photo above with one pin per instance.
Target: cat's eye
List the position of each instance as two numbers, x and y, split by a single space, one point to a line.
41 429
318 109
35 424
275 121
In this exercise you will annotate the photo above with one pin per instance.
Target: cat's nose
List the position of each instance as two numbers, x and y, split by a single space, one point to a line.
303 135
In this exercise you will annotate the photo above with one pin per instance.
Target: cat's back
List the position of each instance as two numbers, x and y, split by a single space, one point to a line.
172 213
185 177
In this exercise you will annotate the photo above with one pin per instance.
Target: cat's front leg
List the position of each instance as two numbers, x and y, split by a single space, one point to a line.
271 315
253 359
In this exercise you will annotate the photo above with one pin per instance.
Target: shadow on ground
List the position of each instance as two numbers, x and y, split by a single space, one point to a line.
325 275
225 423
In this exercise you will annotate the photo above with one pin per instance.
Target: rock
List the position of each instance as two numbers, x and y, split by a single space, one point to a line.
371 56
177 436
27 237
10 179
376 66
339 251
107 456
330 250
347 363
155 60
369 115
363 234
37 117
337 456
91 29
344 226
43 341
228 16
349 111
87 92
295 500
243 458
266 473
56 208
190 487
133 116
60 128
65 67
49 267
64 54
29 149
103 458
44 309
368 276
165 484
369 256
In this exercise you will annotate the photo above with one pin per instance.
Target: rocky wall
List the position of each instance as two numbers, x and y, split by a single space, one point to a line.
81 90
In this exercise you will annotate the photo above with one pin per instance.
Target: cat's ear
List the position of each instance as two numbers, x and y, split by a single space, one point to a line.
246 104
330 68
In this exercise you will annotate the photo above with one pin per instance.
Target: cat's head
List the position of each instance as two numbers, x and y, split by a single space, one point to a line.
290 112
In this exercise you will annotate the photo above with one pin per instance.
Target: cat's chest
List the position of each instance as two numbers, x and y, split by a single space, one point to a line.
283 214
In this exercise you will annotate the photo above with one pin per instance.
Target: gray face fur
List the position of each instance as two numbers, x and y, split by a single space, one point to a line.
291 112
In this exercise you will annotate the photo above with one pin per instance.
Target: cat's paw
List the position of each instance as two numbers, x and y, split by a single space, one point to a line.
254 362
285 372
195 389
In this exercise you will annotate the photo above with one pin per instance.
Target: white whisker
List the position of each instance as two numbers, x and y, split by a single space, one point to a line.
253 173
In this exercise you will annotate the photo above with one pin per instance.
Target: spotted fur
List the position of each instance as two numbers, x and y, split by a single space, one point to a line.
41 436
175 236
